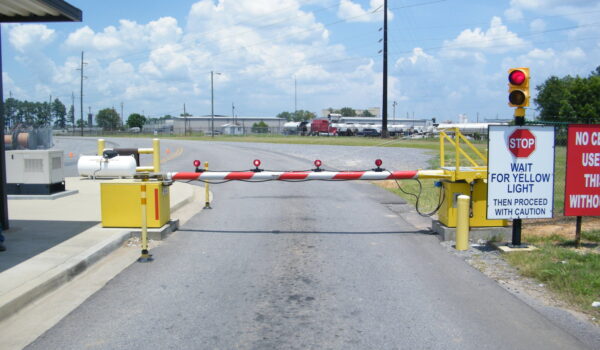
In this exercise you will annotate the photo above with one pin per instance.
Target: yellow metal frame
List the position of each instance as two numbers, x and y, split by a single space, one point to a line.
154 151
474 170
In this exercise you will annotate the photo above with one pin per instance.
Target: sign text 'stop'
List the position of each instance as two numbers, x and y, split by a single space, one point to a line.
521 143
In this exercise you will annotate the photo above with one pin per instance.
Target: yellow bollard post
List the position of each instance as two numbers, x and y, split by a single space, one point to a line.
101 146
145 257
462 222
206 190
156 155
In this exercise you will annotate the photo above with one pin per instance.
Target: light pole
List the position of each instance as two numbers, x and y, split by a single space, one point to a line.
212 105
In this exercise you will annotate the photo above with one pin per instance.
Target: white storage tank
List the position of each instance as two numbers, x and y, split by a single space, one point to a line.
98 166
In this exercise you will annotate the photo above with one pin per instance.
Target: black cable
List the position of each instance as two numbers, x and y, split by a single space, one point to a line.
417 196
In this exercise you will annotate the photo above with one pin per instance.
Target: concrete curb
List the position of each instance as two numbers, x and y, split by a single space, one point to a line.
51 279
43 281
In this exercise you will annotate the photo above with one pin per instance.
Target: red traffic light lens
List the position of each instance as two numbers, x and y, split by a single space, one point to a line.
516 97
378 162
256 163
517 77
197 163
318 163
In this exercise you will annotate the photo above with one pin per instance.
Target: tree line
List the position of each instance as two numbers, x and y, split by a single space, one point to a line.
570 99
54 114
37 114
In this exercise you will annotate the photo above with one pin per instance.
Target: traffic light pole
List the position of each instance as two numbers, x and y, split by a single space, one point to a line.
516 223
384 118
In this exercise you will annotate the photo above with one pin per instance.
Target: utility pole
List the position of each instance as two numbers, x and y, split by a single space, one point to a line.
233 113
384 128
394 104
212 105
122 116
295 97
50 109
185 123
81 94
73 115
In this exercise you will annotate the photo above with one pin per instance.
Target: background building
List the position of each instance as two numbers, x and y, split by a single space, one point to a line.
223 124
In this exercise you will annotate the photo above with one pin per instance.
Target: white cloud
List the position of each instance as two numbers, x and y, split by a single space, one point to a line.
353 12
30 36
418 62
547 62
129 36
537 25
513 14
474 43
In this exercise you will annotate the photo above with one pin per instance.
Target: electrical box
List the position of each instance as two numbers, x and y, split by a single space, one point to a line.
121 203
478 194
34 171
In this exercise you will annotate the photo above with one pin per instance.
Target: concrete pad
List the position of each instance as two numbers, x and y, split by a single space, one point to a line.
504 248
475 233
158 234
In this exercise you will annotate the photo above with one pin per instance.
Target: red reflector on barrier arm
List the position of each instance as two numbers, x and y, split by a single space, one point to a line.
242 175
349 175
294 176
399 175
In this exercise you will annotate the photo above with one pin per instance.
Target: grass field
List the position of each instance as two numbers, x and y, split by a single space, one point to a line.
573 274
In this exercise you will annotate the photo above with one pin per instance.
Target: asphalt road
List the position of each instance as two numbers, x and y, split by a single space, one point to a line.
314 265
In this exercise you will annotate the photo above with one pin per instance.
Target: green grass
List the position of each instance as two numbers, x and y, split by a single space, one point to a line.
430 195
560 163
573 274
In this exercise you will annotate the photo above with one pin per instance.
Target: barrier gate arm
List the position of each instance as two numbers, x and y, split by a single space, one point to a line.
305 175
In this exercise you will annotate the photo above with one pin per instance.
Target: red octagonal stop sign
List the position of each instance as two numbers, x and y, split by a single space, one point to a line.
521 143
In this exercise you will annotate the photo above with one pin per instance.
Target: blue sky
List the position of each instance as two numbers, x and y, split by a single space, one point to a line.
445 57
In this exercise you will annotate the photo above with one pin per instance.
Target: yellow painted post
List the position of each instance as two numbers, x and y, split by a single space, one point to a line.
206 190
101 146
442 156
145 257
156 155
457 149
462 222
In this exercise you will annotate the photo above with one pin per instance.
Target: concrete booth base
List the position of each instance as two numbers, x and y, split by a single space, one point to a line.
475 233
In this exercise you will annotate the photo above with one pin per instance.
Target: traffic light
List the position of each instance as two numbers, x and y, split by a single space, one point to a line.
518 87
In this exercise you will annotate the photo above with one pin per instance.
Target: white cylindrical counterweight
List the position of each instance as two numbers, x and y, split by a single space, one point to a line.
101 167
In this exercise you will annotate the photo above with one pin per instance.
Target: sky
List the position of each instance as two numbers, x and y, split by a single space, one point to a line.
446 57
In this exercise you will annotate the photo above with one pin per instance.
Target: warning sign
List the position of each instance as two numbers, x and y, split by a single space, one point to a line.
582 181
520 172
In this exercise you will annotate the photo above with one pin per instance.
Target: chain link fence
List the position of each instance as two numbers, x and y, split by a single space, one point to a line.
560 163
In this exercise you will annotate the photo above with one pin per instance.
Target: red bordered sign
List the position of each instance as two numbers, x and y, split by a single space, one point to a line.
582 180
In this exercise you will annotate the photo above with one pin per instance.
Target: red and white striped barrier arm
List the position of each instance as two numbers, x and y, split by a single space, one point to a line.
305 175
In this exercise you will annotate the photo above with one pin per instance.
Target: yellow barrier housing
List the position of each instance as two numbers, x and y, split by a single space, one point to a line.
469 180
120 203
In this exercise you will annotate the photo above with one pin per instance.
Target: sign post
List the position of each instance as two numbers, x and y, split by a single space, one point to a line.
520 174
582 180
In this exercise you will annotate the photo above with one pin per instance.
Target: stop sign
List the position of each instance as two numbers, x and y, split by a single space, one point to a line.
521 143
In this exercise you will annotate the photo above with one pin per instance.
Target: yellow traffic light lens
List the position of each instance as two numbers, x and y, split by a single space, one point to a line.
517 77
517 97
